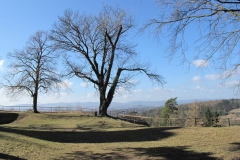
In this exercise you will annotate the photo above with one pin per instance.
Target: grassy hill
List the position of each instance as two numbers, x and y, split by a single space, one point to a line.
80 136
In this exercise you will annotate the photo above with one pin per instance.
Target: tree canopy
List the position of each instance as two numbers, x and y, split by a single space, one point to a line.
168 109
33 69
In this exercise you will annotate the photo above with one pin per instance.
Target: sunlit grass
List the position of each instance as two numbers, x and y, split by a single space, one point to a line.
77 136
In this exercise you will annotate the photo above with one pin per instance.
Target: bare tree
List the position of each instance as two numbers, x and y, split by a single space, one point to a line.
33 69
103 56
215 23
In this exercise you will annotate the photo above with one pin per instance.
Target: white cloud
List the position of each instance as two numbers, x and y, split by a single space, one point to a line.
196 78
199 88
120 90
133 81
125 96
159 90
231 83
230 73
67 84
212 76
1 64
90 95
137 91
7 100
200 63
155 89
85 84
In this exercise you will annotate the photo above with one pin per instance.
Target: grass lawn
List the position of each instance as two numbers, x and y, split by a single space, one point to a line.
78 136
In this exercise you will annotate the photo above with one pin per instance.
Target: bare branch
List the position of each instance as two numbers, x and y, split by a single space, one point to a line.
33 70
214 24
99 50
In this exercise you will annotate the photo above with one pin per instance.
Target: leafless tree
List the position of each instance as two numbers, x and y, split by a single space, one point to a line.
214 23
98 51
33 69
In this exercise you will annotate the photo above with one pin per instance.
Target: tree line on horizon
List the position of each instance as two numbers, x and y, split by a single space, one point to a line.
196 109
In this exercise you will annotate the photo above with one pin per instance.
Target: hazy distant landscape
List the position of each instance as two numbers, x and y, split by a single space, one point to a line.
114 105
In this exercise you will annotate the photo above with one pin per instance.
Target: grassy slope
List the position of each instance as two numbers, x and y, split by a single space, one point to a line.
71 136
235 110
234 116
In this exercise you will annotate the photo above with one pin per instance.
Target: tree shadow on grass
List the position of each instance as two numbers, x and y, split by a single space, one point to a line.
135 135
236 147
169 153
6 118
6 156
173 153
90 155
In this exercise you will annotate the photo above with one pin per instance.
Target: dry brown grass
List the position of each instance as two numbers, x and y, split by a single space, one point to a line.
75 136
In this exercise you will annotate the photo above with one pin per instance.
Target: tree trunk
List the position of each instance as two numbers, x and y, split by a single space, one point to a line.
103 108
105 102
35 96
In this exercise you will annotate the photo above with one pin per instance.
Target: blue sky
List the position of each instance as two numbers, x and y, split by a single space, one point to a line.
19 19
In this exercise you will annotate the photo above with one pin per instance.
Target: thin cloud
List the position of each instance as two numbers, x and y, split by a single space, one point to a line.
231 83
1 64
120 90
196 79
133 81
199 88
212 77
200 63
90 95
155 89
230 73
85 84
67 84
137 91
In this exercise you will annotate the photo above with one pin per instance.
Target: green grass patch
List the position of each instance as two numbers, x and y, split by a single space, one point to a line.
79 136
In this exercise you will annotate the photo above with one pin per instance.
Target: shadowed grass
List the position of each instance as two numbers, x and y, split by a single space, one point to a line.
78 136
136 135
6 118
5 156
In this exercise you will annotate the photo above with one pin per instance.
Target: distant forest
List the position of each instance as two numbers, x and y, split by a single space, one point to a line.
197 109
